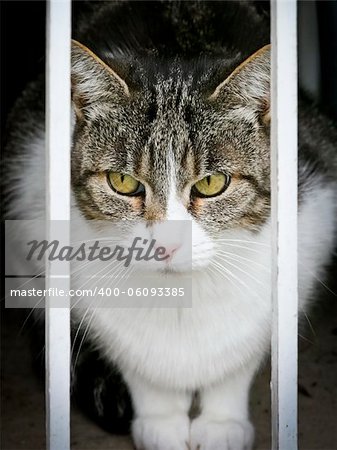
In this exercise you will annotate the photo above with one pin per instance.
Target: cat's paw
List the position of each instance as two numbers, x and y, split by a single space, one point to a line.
221 435
161 433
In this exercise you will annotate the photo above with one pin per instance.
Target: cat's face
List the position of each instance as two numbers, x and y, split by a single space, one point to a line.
172 150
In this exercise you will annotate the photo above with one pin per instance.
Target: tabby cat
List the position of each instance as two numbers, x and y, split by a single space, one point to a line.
171 123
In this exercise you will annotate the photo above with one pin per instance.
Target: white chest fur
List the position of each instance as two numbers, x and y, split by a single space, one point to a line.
190 347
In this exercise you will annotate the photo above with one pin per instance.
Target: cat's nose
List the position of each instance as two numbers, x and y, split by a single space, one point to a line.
168 250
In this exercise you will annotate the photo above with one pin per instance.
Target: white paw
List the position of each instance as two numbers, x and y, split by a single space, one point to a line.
221 435
161 433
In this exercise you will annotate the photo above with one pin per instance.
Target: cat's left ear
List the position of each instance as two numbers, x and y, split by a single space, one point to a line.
92 80
249 83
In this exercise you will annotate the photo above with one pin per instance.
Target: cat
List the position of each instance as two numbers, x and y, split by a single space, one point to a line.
171 123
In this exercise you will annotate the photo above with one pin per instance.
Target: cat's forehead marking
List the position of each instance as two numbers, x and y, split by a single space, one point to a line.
174 208
168 134
167 145
172 96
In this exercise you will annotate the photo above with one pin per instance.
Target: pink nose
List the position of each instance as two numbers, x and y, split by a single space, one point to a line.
170 250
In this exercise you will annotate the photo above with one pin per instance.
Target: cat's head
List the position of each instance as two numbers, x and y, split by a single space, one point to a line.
153 146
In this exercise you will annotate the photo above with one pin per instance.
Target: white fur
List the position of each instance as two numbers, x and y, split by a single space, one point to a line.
216 345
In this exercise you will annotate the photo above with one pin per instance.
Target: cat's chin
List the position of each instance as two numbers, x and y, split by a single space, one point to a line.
165 269
181 267
171 270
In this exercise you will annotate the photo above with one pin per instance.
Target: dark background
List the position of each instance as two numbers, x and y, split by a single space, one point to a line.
327 26
22 48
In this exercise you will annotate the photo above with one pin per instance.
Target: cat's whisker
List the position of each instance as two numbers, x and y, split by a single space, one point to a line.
33 309
223 271
90 320
107 268
238 258
79 329
305 338
241 282
244 272
35 306
309 322
79 269
244 241
81 264
318 279
126 275
38 275
87 327
84 334
255 250
228 278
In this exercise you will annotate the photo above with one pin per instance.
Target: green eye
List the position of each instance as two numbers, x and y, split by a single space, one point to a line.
125 184
211 185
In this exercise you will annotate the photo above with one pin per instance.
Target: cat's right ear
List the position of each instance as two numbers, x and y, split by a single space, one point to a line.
92 80
249 84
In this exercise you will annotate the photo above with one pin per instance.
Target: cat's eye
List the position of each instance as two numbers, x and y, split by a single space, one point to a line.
125 184
211 185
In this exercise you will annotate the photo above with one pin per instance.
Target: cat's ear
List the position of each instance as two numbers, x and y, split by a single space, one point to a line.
92 80
249 83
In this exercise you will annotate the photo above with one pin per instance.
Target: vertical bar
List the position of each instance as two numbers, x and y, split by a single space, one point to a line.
58 209
284 223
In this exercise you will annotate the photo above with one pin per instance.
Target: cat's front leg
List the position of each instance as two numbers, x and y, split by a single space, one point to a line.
161 416
224 420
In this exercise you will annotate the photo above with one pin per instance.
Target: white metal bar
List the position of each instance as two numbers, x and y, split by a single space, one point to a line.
284 223
58 209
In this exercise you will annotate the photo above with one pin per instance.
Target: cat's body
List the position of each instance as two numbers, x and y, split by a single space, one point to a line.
164 114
